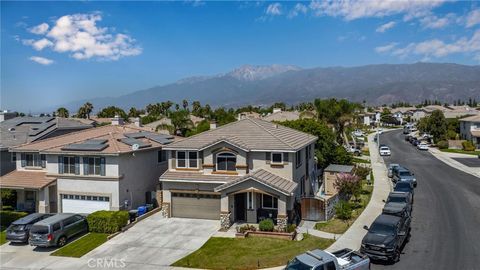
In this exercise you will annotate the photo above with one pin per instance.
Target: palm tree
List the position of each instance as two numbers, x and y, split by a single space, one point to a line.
181 123
88 108
62 112
196 108
185 104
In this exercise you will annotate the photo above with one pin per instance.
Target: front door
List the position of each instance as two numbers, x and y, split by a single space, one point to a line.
240 207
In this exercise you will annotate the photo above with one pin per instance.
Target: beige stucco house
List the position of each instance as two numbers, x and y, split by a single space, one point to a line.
470 129
247 171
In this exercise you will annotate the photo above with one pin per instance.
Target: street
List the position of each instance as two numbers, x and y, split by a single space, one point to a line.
446 213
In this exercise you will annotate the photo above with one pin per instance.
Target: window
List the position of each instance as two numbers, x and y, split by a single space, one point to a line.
94 165
187 159
298 158
226 162
277 158
269 202
14 157
32 160
56 227
69 221
69 165
162 156
250 201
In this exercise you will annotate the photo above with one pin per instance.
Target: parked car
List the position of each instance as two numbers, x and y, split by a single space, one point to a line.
379 131
422 146
398 204
391 167
416 142
407 138
386 238
19 230
317 259
404 174
406 130
358 133
56 230
405 186
412 139
385 151
352 149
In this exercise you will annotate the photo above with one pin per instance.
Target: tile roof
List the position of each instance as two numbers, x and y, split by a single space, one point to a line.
112 134
282 116
339 168
249 134
25 179
197 176
267 178
473 118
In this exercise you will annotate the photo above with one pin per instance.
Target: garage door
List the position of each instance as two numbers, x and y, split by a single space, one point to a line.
84 203
191 205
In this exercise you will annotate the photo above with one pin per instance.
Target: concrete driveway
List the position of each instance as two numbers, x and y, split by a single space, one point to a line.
153 243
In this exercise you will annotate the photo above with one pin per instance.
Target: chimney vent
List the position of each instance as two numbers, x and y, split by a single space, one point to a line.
137 122
213 125
117 121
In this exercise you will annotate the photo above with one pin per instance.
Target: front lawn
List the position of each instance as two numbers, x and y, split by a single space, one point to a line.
250 252
359 160
82 245
460 151
3 235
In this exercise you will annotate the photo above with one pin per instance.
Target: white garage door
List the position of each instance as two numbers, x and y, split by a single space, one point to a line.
84 203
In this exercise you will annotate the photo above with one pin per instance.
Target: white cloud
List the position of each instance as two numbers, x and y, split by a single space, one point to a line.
356 9
274 9
41 60
299 8
433 22
473 18
435 48
387 48
384 27
81 37
39 29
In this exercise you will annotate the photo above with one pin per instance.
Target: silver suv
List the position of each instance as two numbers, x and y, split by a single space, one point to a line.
56 230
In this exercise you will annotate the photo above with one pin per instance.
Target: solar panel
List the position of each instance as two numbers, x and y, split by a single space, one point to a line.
85 147
95 141
132 141
159 138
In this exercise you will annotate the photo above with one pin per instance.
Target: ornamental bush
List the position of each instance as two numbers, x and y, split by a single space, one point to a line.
7 217
107 221
343 210
442 144
266 225
468 146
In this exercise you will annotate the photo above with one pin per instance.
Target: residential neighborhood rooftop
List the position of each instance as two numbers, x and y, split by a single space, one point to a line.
25 179
473 118
249 134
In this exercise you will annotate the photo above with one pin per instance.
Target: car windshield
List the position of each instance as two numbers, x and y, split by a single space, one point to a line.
405 173
40 229
17 227
385 229
397 199
403 186
296 264
384 148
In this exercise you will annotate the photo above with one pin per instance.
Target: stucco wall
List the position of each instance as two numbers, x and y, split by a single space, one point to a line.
89 187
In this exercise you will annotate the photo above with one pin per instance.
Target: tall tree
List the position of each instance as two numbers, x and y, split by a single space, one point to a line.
88 107
62 112
185 104
196 108
112 111
181 123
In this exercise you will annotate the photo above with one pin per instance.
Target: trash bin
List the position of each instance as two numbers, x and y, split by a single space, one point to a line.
141 210
132 215
149 207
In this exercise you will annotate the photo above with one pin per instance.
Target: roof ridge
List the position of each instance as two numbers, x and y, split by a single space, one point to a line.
283 141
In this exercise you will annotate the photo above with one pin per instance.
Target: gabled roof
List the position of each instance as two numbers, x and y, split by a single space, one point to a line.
113 137
25 179
249 134
282 116
266 178
473 118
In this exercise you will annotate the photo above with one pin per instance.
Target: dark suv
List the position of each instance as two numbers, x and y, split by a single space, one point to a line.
405 186
398 204
386 238
19 230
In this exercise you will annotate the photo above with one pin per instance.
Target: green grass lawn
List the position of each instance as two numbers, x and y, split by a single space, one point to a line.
460 151
250 252
82 245
338 226
359 160
3 235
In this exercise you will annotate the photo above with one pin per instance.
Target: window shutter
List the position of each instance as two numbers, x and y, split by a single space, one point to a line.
85 166
60 164
102 166
285 157
77 165
24 161
267 157
43 160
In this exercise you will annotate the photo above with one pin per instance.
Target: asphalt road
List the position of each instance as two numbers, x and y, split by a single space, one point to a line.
470 162
446 212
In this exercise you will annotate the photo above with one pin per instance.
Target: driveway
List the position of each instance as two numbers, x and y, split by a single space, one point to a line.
153 243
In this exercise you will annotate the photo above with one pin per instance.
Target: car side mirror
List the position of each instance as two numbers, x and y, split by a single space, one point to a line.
383 200
365 227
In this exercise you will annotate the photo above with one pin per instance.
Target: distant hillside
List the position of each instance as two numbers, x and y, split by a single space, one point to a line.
263 85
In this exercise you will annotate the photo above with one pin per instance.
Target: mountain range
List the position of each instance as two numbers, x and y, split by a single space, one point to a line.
264 85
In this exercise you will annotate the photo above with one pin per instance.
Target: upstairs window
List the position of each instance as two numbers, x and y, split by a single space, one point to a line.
226 162
94 165
32 160
187 159
162 156
277 158
68 165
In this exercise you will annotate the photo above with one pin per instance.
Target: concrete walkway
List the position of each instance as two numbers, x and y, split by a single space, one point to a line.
352 238
309 228
447 158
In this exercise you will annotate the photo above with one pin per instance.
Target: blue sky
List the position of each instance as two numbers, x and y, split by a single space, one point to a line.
56 52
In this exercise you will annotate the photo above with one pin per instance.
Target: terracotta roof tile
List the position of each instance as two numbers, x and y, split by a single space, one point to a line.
25 179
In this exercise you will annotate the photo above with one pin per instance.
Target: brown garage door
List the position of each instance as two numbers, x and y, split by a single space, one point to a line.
191 205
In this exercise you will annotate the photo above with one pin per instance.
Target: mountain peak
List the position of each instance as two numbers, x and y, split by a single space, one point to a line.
257 72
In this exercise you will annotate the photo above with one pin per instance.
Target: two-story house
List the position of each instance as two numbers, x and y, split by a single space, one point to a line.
470 129
106 168
247 170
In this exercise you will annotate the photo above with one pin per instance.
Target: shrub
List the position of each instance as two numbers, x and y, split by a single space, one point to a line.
468 146
244 228
7 217
343 210
442 144
7 208
266 225
107 221
348 185
291 228
362 172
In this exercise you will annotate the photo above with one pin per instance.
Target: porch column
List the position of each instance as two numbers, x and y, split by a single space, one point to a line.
225 213
20 199
43 200
282 217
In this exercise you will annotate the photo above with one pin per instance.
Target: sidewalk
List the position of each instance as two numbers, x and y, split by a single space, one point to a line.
352 238
446 158
308 227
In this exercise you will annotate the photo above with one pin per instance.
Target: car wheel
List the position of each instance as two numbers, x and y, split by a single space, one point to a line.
62 241
397 256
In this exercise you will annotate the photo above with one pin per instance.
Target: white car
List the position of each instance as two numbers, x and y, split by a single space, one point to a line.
380 131
358 133
385 151
422 146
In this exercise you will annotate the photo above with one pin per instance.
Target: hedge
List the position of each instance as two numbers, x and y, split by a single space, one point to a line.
107 221
468 146
7 217
442 144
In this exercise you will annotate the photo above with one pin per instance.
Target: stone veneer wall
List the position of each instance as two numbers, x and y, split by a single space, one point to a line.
330 207
282 221
225 222
165 210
